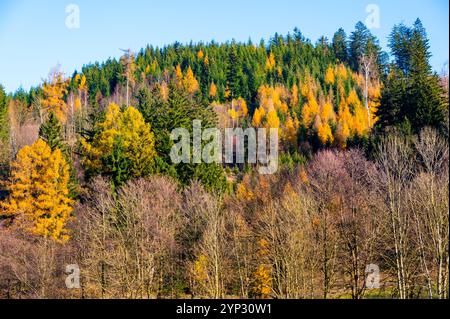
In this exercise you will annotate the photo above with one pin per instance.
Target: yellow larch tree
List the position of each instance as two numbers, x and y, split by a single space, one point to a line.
280 72
342 72
190 83
290 132
324 133
360 122
272 119
329 76
136 140
257 117
327 112
179 74
38 192
304 90
310 110
54 91
213 91
294 96
200 55
344 124
262 277
270 62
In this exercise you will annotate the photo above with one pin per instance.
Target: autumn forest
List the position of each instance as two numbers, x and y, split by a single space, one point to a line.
361 190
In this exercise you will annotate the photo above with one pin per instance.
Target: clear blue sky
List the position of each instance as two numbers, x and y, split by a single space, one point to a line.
34 37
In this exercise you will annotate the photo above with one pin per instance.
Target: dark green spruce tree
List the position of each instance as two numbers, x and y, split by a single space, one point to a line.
412 95
339 44
51 131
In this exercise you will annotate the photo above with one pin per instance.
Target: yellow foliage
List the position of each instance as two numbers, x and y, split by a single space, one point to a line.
54 91
190 83
154 66
324 133
233 114
327 113
342 133
310 110
280 72
77 104
137 139
200 55
240 106
290 133
257 117
284 108
262 281
80 81
200 269
360 121
273 97
83 82
305 90
270 62
178 73
353 99
272 119
288 190
213 90
227 93
242 193
164 90
329 76
342 72
38 192
303 176
294 95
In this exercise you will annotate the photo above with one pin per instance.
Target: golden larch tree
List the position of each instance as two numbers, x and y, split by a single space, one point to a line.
38 192
54 91
329 76
137 141
190 83
213 91
257 117
270 62
272 119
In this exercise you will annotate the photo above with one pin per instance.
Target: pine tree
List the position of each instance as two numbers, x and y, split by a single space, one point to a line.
233 70
340 45
51 132
412 93
362 42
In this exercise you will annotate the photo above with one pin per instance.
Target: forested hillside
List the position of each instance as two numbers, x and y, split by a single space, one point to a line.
87 177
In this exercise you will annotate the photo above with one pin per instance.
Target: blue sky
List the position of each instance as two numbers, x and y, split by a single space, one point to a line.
34 37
